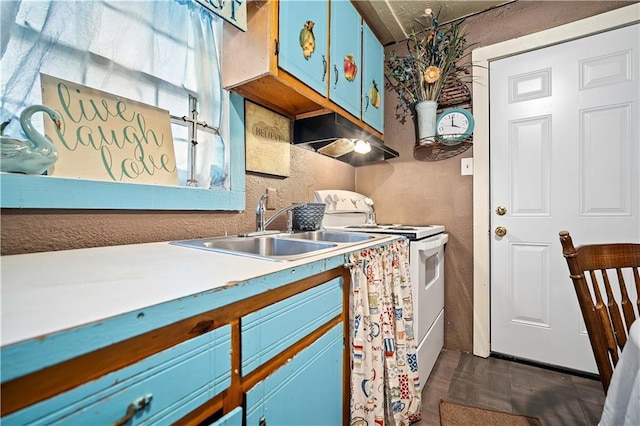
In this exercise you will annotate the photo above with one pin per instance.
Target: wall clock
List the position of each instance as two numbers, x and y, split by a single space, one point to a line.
454 126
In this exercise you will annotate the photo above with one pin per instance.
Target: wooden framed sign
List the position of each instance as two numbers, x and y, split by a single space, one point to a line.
233 11
268 138
108 137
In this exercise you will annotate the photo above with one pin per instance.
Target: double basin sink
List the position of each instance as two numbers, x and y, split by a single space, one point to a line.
280 246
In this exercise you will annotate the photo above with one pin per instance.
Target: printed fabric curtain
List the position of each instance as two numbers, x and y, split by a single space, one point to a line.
384 378
156 52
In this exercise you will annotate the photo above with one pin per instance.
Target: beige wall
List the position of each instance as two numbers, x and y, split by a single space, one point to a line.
28 231
415 192
404 190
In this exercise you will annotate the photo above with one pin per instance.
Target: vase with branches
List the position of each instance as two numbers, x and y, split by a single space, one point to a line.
434 57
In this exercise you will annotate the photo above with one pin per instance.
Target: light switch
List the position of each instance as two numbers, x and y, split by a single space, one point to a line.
272 199
466 165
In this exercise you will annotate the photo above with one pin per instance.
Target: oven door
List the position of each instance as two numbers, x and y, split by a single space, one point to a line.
426 260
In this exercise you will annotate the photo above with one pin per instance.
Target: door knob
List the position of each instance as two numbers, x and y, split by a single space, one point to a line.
501 231
501 210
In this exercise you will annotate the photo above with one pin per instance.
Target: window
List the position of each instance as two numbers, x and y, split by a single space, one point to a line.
161 53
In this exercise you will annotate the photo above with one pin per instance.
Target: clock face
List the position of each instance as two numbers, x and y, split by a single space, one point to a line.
456 124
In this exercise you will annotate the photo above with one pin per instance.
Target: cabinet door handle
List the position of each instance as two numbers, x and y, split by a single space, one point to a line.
324 68
366 102
335 71
133 408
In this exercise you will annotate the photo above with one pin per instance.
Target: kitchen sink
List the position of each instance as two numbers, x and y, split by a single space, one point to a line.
273 248
332 236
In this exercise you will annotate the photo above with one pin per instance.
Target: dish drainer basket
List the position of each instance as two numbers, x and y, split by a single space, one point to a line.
308 217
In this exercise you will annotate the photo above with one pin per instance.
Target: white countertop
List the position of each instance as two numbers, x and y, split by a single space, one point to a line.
48 292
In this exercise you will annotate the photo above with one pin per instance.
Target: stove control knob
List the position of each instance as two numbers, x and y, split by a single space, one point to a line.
501 231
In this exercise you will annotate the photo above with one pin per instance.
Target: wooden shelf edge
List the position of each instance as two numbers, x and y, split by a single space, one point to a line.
288 96
436 150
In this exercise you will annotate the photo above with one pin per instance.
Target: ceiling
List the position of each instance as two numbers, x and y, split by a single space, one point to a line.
392 20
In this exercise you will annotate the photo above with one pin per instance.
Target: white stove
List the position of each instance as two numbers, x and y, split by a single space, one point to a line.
351 211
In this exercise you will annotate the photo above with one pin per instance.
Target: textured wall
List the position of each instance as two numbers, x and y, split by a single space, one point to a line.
415 192
27 231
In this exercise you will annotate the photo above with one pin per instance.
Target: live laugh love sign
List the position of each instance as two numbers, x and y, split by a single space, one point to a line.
106 137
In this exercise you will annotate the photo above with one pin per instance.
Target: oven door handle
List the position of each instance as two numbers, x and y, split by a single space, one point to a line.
431 242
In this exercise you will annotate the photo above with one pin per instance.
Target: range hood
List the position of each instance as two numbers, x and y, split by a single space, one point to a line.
335 136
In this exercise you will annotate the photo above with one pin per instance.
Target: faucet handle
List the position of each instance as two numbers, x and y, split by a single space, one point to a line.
261 206
260 210
290 221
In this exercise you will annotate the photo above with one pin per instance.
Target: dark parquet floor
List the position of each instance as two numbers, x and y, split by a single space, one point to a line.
555 398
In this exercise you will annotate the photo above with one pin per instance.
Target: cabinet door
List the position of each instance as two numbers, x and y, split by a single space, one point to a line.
305 391
372 80
234 418
271 330
303 37
171 383
346 56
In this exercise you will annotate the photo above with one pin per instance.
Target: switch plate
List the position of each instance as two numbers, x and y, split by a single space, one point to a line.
466 166
272 199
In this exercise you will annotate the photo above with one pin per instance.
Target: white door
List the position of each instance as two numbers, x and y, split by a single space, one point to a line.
564 131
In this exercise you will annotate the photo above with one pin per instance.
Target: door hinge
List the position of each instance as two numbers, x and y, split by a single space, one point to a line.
276 45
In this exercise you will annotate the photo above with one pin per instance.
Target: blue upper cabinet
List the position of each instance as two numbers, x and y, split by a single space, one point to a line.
346 56
303 37
372 80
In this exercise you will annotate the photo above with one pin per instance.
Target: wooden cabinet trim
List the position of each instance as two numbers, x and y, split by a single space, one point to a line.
234 395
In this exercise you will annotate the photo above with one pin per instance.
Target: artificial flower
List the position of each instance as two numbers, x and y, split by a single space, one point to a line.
432 74
434 54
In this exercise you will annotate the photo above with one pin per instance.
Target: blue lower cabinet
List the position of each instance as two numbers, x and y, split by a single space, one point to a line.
305 391
157 390
269 331
234 418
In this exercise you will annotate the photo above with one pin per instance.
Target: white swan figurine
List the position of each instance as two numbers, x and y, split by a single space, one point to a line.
34 155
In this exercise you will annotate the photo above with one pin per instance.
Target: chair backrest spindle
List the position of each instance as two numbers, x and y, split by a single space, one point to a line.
614 312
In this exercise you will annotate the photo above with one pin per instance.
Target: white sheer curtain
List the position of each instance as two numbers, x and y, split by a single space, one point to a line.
157 52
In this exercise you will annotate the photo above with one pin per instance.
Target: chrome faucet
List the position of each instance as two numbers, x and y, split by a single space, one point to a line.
289 211
261 223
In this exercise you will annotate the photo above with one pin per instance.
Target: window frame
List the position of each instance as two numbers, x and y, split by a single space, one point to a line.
31 191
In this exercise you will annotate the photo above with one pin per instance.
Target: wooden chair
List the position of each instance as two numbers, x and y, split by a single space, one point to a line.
606 327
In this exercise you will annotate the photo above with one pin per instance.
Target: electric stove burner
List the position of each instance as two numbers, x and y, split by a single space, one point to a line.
364 226
402 228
